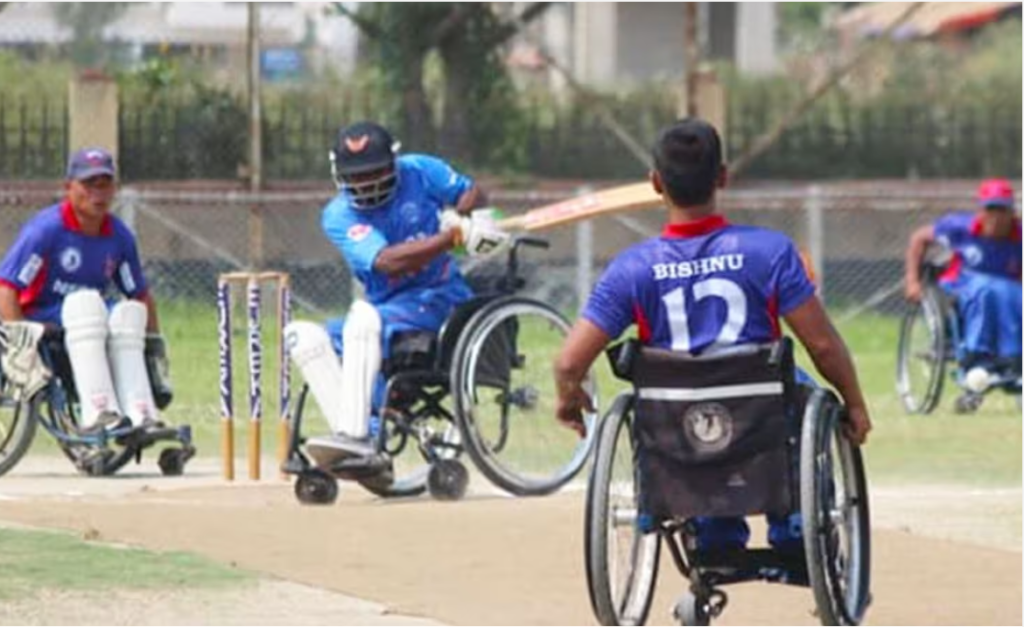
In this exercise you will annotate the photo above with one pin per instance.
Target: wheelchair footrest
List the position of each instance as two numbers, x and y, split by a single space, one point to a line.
725 567
357 468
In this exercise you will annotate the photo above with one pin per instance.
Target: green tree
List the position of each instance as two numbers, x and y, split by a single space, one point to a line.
467 37
86 21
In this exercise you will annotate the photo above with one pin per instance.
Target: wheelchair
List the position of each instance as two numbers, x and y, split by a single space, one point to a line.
742 439
928 345
482 388
98 451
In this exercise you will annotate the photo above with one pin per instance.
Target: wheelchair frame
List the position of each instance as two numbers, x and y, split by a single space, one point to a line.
941 319
840 580
416 396
89 450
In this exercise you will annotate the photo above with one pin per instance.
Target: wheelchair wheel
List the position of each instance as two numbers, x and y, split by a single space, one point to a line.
921 360
834 503
411 470
621 561
505 396
18 422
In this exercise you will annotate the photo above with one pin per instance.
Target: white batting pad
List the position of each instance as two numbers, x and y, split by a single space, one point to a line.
310 348
84 315
360 366
127 346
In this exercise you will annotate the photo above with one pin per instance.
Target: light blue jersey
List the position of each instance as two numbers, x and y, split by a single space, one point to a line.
425 186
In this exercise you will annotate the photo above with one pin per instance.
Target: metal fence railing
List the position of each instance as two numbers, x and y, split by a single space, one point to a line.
855 233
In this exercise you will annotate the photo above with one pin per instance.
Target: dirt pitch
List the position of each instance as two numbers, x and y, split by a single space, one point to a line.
496 560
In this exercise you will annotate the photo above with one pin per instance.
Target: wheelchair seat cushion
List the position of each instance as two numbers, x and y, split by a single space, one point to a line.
410 350
716 436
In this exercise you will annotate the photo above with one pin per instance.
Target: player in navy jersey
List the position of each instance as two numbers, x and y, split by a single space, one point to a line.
984 277
65 269
395 221
706 285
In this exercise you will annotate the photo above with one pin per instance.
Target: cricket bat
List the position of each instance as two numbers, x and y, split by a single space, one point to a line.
612 200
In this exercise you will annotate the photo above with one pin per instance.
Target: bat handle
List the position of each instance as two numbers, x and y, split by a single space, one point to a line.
535 242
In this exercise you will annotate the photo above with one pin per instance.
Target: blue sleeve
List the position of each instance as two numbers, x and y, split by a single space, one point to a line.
792 285
951 227
128 277
442 180
25 259
610 305
358 240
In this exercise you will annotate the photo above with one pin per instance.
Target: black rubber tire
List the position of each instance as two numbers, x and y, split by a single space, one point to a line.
930 312
448 480
17 437
645 549
840 575
491 459
316 487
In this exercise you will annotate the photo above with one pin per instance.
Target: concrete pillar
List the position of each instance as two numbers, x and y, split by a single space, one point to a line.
595 42
92 112
711 103
755 37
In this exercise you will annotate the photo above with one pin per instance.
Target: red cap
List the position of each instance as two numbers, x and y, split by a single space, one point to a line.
995 193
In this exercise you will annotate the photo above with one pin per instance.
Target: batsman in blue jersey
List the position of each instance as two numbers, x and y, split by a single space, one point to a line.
984 279
395 221
706 285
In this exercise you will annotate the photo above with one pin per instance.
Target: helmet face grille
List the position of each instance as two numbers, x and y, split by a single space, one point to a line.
369 190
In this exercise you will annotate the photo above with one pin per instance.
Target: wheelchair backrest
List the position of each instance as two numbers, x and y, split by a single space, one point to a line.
714 435
937 257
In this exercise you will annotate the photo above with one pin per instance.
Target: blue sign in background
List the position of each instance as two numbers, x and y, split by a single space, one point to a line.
282 63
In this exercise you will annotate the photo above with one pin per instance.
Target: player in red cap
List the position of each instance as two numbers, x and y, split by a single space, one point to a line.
984 278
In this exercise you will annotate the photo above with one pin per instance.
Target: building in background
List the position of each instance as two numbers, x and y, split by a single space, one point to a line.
603 43
297 36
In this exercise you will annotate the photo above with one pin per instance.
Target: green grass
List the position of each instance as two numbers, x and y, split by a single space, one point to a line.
34 560
984 448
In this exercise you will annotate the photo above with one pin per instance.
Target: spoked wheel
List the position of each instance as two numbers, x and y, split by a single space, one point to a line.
921 360
621 560
505 397
837 527
18 421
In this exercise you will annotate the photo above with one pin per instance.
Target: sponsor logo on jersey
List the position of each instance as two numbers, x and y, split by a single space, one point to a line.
127 278
359 232
71 259
697 267
66 287
31 269
973 255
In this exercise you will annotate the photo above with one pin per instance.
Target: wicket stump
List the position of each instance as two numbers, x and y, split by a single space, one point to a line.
253 282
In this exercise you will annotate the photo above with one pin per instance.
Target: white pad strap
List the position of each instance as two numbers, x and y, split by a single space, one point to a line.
310 349
127 360
84 315
360 366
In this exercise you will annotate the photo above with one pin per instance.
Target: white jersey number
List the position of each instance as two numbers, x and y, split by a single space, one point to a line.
735 308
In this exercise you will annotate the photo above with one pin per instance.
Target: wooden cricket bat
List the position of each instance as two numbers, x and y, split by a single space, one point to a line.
612 200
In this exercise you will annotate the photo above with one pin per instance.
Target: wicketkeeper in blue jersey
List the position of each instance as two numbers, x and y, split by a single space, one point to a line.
706 285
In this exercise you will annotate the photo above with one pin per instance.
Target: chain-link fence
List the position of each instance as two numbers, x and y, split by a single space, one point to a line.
855 234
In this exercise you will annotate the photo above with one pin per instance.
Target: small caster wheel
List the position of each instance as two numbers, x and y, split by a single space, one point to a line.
967 403
316 487
172 462
689 610
447 480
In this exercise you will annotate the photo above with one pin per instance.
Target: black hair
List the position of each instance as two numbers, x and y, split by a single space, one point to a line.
688 156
